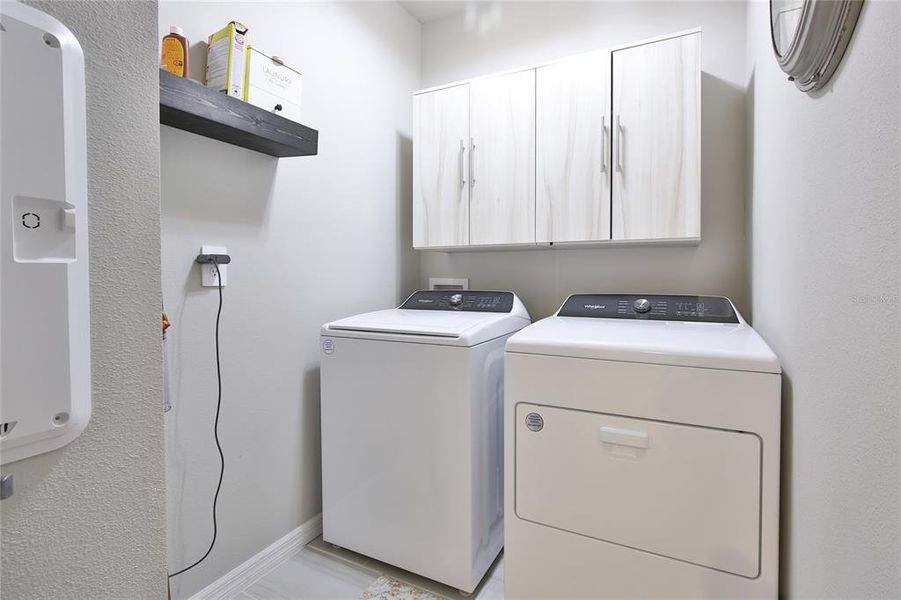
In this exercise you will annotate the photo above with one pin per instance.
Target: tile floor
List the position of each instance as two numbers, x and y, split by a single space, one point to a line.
321 571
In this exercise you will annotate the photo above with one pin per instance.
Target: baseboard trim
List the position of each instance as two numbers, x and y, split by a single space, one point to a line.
254 568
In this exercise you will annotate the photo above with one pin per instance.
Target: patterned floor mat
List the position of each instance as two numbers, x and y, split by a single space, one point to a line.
388 588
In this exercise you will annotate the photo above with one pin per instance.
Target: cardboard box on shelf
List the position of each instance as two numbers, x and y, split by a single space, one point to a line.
272 85
226 60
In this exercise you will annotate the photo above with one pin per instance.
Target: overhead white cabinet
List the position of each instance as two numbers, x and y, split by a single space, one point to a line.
502 159
440 168
573 149
657 140
604 146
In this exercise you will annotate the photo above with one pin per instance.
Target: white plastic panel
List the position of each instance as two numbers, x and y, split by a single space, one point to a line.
680 491
45 387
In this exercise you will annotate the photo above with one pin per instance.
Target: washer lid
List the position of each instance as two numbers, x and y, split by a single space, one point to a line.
463 326
732 346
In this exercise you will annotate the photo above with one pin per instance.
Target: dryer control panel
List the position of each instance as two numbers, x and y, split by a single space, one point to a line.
705 309
460 300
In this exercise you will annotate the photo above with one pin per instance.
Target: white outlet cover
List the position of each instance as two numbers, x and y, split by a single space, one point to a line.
208 272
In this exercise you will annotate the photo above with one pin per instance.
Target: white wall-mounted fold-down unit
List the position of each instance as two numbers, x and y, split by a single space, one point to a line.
45 383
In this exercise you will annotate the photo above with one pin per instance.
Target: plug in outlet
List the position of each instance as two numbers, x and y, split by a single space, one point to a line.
208 272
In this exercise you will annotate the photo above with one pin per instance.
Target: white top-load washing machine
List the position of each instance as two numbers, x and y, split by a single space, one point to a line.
642 452
412 432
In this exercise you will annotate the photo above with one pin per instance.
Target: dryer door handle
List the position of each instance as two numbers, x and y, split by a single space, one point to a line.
625 437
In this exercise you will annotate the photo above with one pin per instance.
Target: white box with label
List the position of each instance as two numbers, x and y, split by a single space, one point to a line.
272 85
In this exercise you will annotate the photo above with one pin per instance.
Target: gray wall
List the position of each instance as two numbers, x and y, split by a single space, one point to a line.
87 521
511 34
312 239
824 204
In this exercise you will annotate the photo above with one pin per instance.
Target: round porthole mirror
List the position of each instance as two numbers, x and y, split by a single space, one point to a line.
810 37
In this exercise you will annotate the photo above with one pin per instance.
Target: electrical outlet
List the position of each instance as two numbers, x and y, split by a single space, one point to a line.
208 272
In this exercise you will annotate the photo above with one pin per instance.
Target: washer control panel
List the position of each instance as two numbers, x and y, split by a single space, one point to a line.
704 309
462 300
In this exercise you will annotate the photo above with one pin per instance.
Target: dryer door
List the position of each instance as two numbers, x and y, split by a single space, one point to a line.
681 491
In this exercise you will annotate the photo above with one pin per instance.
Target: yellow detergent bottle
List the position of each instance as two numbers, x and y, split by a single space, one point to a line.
175 52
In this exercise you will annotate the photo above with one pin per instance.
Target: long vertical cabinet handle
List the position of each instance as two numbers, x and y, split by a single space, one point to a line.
462 173
604 144
620 133
472 171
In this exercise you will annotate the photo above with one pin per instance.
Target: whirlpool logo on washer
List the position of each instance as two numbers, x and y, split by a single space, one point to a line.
328 346
534 421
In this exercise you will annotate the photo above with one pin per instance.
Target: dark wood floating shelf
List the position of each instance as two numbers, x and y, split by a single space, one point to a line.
188 105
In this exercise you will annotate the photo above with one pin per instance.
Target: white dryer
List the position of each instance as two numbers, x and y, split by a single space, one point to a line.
642 452
412 426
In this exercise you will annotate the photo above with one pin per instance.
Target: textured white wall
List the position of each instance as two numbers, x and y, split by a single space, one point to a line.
512 34
312 239
88 521
824 204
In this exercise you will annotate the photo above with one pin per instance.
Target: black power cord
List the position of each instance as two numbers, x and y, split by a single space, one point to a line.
215 263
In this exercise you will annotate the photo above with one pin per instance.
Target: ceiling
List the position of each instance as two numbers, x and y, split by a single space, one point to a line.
430 10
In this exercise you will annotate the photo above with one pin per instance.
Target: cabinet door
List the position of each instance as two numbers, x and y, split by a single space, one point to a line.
502 196
440 171
657 140
573 150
